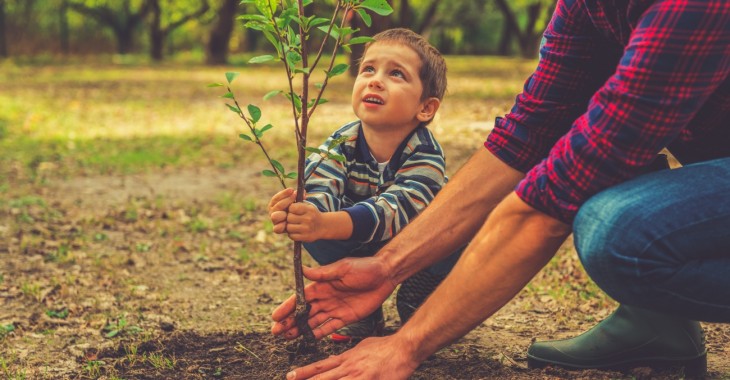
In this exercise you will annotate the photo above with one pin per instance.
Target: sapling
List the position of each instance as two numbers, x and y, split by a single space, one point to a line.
288 28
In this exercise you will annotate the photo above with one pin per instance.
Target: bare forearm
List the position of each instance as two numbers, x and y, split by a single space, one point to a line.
514 244
453 217
336 226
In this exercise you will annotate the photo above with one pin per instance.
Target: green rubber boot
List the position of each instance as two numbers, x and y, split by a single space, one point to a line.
630 337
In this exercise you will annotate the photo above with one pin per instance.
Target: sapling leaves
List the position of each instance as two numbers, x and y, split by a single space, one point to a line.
228 95
359 40
215 85
261 59
380 7
271 94
365 17
255 113
231 76
337 70
268 173
233 108
245 137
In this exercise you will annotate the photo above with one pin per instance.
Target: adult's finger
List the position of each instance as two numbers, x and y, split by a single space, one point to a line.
315 368
285 309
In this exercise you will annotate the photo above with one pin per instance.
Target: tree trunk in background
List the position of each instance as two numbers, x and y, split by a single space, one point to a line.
157 36
509 28
122 23
158 33
63 34
220 35
3 45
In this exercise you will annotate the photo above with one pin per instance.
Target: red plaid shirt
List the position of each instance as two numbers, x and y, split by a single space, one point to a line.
618 81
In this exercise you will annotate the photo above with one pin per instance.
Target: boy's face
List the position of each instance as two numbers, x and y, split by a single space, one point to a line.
387 90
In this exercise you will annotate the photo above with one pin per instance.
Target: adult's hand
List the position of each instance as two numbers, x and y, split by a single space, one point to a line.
374 358
342 293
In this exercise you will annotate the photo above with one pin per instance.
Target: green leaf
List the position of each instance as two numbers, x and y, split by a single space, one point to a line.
336 142
278 166
347 49
305 70
318 21
321 101
245 137
261 59
231 76
215 85
338 69
292 175
268 173
296 100
267 7
360 40
271 94
337 157
380 7
255 113
233 108
319 85
228 95
112 334
292 58
365 17
333 33
266 128
312 149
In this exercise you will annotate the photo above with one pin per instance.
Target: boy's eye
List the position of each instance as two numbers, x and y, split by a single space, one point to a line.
398 73
367 69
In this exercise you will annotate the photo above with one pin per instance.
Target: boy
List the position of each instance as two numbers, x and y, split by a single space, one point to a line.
393 168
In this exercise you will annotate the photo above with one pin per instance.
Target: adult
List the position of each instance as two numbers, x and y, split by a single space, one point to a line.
617 82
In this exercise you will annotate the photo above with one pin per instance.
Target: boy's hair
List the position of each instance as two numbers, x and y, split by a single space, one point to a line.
433 66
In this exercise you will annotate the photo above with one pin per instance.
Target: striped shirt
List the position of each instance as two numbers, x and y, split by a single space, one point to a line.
380 204
618 81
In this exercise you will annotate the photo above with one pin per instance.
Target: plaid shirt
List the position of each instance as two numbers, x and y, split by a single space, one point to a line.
380 204
618 81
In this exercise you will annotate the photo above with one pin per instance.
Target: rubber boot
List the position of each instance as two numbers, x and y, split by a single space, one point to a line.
630 337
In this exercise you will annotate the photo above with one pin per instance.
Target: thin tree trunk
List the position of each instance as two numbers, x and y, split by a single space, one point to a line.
157 36
220 35
3 43
63 33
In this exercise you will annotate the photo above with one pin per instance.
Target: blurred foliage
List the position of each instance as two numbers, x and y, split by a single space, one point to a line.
83 27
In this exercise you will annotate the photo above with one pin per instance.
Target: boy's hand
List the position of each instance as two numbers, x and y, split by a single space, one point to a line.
305 222
278 207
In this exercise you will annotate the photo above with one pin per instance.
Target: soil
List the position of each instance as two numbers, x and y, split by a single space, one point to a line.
173 274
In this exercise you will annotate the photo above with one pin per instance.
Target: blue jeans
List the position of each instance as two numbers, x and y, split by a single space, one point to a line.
328 251
662 241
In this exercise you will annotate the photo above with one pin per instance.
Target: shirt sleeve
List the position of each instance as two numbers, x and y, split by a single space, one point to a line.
575 60
676 57
326 185
415 185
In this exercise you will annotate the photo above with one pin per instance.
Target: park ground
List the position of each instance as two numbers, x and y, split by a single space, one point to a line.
134 242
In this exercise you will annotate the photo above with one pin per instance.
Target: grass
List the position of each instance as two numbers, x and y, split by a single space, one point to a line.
102 118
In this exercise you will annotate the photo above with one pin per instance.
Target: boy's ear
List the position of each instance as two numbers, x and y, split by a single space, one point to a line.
428 109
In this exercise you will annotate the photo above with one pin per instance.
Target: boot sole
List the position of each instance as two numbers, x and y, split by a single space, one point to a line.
694 367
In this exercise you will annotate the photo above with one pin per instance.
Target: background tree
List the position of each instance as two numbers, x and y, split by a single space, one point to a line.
3 43
536 14
120 17
176 14
220 33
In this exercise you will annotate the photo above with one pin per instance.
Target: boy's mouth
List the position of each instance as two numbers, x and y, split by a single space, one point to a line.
372 99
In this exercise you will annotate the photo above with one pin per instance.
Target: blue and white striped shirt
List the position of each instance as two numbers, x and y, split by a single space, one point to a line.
380 204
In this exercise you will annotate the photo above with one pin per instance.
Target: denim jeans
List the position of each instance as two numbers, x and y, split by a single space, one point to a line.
328 251
662 241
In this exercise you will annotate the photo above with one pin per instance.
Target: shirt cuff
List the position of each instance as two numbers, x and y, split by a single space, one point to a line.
363 222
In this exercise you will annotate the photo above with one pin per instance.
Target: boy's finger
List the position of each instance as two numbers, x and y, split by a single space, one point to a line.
278 197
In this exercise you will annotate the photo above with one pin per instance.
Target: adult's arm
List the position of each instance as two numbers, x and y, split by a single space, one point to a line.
350 289
513 245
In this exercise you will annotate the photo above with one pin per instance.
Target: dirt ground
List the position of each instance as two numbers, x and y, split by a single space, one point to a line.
174 273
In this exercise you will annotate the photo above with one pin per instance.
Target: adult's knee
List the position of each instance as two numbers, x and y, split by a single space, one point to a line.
608 241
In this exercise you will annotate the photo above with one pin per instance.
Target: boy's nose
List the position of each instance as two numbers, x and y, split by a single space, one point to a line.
375 83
